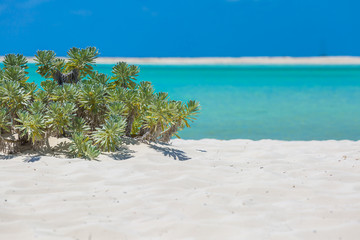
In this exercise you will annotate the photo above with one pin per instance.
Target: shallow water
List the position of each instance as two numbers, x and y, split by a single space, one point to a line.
262 102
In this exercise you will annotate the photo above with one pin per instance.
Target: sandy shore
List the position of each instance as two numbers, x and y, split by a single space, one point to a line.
331 60
207 189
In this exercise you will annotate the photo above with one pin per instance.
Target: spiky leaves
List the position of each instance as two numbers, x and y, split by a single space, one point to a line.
125 75
180 117
83 147
157 117
15 73
191 110
65 93
79 126
108 137
115 109
31 126
95 109
15 60
92 100
4 120
99 78
82 59
47 63
59 116
13 96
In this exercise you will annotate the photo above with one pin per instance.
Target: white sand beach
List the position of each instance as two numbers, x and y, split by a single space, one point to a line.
205 189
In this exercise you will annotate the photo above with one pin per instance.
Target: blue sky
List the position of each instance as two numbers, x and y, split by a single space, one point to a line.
183 28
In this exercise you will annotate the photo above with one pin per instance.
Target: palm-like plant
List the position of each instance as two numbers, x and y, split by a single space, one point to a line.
79 126
99 78
93 108
124 75
92 100
13 97
31 126
82 60
12 60
45 61
109 135
83 147
15 73
1 75
182 114
4 120
158 116
65 93
115 109
59 116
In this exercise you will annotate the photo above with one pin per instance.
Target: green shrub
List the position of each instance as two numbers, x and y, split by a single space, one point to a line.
93 109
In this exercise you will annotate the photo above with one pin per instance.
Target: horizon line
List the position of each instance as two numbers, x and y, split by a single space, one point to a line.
260 60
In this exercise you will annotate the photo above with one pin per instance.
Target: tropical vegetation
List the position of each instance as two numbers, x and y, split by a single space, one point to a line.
94 110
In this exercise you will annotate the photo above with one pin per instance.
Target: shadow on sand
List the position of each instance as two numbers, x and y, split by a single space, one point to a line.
31 159
7 157
170 152
123 153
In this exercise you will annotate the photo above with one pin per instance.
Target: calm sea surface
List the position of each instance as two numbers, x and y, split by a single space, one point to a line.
262 102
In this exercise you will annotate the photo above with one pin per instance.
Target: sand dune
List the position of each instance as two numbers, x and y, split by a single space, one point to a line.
206 189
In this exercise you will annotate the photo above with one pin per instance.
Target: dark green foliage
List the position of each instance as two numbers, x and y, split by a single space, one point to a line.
95 110
83 147
125 75
15 60
45 61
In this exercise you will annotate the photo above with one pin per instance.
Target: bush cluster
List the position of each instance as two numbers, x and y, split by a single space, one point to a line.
92 109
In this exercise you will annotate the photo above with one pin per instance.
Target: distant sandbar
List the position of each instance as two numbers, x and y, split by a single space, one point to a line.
330 60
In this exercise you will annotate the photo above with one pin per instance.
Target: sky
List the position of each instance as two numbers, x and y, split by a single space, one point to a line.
182 28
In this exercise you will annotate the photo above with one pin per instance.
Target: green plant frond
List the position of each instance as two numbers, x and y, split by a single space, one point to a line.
99 78
30 88
41 96
59 64
192 109
79 126
115 109
48 86
92 107
59 116
1 75
81 59
37 107
81 146
15 73
108 137
31 125
15 60
13 95
92 97
45 61
4 120
64 93
125 75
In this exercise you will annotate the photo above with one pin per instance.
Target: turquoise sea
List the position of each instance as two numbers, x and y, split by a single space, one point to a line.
262 102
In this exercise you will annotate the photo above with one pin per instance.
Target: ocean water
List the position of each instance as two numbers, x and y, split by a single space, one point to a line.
262 102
